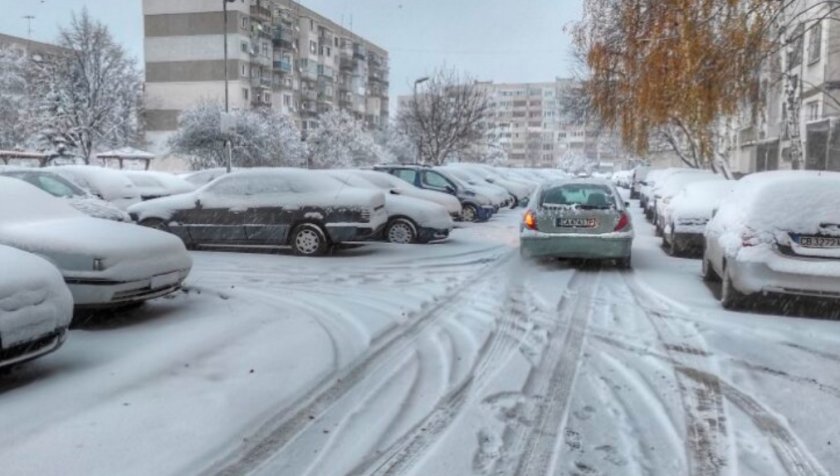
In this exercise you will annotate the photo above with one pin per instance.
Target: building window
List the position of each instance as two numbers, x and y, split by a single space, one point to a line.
244 23
813 109
245 93
815 43
335 42
246 47
287 101
244 71
794 57
311 24
313 47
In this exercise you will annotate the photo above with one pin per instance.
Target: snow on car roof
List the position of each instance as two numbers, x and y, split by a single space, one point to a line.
109 183
798 201
21 201
304 180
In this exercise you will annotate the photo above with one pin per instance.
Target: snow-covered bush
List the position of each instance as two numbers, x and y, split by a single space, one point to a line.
14 98
259 138
341 141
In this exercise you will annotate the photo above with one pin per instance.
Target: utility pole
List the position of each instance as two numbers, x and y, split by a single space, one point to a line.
228 145
417 113
29 19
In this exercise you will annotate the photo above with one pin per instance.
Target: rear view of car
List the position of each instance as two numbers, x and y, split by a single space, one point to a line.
35 307
778 233
577 219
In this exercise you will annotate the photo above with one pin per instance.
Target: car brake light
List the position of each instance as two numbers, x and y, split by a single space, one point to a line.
530 220
623 222
748 240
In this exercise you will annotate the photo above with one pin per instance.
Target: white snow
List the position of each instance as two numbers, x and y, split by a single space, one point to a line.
691 209
34 300
109 184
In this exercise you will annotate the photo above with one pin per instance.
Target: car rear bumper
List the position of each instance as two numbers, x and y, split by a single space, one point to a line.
577 246
762 278
90 293
33 349
688 241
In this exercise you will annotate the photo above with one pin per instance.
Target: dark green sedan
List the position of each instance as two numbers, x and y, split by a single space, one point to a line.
577 218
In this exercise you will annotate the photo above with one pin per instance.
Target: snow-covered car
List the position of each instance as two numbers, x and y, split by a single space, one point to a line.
687 214
62 188
35 307
777 233
152 185
577 218
668 188
104 263
655 180
201 178
475 205
307 211
410 220
638 180
107 184
501 198
517 190
390 184
622 178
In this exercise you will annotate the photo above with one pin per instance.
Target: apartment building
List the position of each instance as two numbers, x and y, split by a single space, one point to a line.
811 65
280 55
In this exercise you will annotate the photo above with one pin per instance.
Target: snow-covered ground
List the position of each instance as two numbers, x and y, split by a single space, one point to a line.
448 359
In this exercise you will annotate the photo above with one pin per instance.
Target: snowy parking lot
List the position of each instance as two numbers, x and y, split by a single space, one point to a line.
458 358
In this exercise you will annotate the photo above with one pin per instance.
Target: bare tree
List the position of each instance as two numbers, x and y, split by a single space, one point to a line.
90 96
447 117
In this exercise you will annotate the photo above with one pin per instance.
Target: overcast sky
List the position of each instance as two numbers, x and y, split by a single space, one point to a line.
499 40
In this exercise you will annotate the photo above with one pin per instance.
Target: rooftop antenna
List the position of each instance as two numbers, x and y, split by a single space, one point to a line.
29 19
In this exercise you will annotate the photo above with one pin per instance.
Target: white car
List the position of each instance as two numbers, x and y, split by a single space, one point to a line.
397 186
410 220
499 196
777 233
107 184
64 189
200 178
104 263
151 185
687 214
35 307
518 190
671 186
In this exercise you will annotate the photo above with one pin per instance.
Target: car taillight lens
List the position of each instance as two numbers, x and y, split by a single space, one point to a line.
530 220
623 222
748 240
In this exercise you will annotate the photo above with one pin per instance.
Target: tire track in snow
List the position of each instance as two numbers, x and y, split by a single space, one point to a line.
281 428
497 348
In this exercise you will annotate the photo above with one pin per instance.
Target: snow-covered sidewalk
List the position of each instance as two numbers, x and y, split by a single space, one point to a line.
452 359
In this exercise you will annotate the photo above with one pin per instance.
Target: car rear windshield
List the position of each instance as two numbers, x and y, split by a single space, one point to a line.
585 196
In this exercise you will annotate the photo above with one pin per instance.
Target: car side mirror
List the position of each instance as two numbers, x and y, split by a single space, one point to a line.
450 190
197 203
394 191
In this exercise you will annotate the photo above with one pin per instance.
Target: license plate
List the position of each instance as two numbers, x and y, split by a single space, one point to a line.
165 280
819 242
577 222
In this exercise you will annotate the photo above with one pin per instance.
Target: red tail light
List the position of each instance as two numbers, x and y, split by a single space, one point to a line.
530 220
623 222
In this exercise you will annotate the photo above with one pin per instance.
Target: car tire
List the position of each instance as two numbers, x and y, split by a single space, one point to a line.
730 297
625 263
309 240
401 231
469 213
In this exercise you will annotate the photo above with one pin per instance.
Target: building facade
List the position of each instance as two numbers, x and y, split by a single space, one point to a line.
799 99
280 55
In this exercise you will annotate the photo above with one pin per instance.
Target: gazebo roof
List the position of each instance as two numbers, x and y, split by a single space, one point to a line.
126 153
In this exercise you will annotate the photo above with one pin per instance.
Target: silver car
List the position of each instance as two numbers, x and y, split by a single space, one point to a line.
577 218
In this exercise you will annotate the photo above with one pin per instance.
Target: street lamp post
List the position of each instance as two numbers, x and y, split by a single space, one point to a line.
416 112
228 145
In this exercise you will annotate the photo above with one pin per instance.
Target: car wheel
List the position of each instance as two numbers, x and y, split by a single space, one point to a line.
401 231
625 263
309 240
730 297
469 213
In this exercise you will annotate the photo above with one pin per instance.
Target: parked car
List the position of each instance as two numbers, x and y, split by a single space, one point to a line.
153 185
62 188
501 198
35 307
777 233
688 213
390 184
307 211
622 178
410 220
475 205
655 180
104 263
108 184
201 178
577 218
668 188
517 190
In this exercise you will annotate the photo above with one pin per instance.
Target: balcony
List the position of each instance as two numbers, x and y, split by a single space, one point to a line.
284 66
263 82
308 70
359 52
283 35
325 72
325 98
260 13
309 94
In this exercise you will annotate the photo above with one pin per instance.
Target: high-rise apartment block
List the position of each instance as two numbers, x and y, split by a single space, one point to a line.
280 55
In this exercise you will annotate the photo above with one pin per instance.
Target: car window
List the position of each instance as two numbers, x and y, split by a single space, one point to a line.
57 187
436 180
407 174
581 195
232 186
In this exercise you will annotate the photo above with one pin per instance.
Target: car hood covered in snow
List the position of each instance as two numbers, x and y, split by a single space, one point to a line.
34 300
422 212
